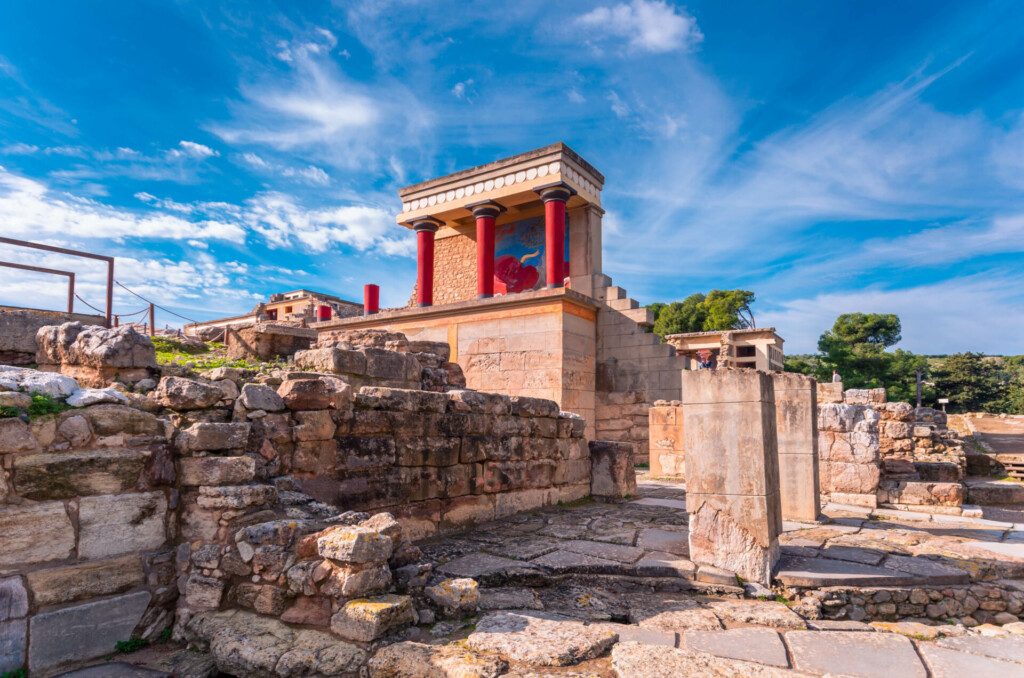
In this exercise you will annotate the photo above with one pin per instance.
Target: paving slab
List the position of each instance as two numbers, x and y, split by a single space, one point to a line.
115 670
1014 549
853 554
540 638
524 548
678 616
564 561
510 598
818 572
664 503
758 613
477 565
927 571
635 660
629 633
1000 647
617 552
763 646
857 655
656 564
837 625
666 541
946 663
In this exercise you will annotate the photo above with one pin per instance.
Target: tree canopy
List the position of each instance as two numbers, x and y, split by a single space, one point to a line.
716 310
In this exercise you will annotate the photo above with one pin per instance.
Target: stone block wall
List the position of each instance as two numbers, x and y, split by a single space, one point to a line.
18 328
904 456
95 356
454 269
267 341
623 417
87 523
667 456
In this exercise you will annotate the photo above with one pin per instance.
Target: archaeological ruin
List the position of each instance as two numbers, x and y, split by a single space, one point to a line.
511 475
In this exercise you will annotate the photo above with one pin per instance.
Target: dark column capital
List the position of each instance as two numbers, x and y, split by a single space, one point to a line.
557 191
486 208
426 224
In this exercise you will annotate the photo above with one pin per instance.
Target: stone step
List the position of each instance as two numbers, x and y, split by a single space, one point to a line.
623 304
615 292
641 316
994 492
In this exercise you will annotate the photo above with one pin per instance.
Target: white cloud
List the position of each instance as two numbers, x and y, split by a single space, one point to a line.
256 161
646 25
192 149
960 314
461 90
31 209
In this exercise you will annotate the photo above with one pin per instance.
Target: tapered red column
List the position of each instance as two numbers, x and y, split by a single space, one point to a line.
425 230
485 214
554 197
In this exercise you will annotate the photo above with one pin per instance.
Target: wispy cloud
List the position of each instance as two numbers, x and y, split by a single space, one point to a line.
192 149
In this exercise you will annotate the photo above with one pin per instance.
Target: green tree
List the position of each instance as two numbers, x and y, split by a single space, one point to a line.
972 383
855 347
717 310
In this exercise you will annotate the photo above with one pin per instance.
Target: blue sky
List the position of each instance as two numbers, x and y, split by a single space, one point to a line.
832 157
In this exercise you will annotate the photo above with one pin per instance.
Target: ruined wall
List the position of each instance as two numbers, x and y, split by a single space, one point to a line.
18 328
267 341
904 456
87 528
667 456
623 416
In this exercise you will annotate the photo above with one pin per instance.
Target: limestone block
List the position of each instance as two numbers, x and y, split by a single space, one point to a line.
534 407
829 392
314 425
21 527
111 419
195 471
83 631
16 435
455 596
75 430
78 344
13 644
261 397
865 396
64 475
367 619
384 365
13 599
85 580
400 399
612 472
113 524
433 451
796 428
178 393
211 436
356 580
236 496
849 477
306 394
462 400
203 593
354 544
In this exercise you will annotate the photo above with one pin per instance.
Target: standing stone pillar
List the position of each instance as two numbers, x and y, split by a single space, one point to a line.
665 438
796 423
732 473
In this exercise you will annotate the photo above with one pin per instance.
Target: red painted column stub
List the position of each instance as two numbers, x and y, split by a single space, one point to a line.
485 214
554 196
425 230
371 299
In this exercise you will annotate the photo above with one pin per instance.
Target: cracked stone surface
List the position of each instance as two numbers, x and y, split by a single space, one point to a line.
540 638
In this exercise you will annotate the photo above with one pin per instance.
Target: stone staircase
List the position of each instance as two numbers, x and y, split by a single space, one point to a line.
618 299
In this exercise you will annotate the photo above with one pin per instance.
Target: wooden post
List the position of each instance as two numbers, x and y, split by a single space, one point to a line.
152 320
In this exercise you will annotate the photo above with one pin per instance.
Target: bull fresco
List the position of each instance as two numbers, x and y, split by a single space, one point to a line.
519 255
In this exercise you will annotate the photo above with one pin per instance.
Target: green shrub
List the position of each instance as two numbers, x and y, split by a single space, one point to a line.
130 645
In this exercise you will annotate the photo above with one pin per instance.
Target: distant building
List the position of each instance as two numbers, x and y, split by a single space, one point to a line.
298 307
757 348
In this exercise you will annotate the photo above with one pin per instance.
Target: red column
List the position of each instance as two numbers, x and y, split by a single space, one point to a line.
485 214
371 299
425 260
554 198
323 313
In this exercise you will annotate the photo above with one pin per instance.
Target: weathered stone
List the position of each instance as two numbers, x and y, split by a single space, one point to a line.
417 660
15 399
94 346
762 646
368 619
612 472
236 496
85 580
636 660
95 396
261 397
21 527
510 598
306 394
64 475
862 654
214 436
666 541
309 611
758 613
314 425
83 631
16 435
946 663
13 645
659 564
178 393
540 638
1002 647
13 599
114 524
110 419
676 614
216 470
354 544
455 596
797 434
75 430
203 593
355 581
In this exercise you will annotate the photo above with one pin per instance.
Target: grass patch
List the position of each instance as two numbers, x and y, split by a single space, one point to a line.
207 356
642 465
130 645
41 406
575 503
16 673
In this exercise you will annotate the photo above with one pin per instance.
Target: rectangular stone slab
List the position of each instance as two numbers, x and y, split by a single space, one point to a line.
866 655
83 631
115 524
22 526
